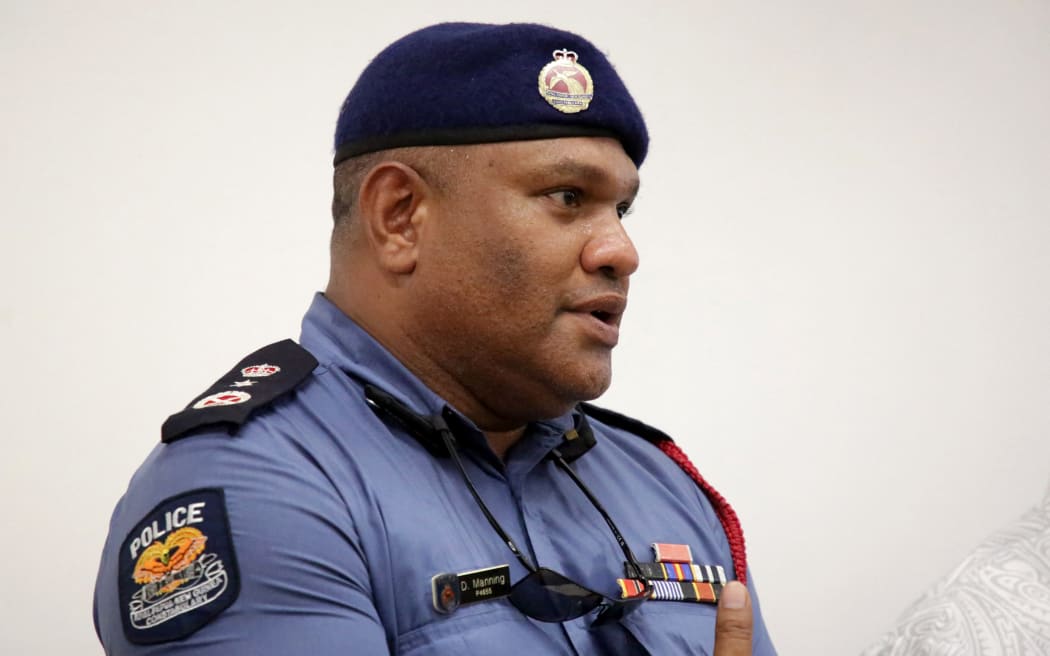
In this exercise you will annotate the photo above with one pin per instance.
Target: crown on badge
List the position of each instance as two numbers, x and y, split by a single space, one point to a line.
565 54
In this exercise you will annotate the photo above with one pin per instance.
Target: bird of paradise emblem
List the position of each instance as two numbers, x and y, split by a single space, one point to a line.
161 562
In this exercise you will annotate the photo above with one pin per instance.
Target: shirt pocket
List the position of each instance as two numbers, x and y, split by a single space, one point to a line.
494 624
671 627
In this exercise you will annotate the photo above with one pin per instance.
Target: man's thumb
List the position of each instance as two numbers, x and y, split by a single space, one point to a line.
733 622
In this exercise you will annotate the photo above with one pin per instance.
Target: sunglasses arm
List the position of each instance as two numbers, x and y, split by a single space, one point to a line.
441 426
626 548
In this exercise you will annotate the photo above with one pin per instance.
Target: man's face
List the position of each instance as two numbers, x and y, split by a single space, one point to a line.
523 272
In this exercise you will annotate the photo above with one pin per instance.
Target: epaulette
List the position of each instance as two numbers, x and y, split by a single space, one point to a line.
629 424
256 381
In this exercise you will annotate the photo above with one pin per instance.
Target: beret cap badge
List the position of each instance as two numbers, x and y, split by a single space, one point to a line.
565 84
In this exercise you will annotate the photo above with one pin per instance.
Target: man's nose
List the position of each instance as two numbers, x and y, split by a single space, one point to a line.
610 250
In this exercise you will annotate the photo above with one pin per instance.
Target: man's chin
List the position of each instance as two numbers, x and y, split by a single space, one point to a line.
587 386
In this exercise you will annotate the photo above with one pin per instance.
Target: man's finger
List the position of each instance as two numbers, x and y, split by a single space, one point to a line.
733 622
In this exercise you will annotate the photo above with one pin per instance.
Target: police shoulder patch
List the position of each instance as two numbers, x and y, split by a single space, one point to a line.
623 422
177 569
256 381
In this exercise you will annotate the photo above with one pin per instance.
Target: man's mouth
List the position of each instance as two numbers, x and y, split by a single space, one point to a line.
607 307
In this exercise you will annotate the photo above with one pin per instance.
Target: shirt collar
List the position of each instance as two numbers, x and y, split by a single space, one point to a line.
338 341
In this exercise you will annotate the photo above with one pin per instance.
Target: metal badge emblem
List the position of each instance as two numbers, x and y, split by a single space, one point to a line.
445 591
565 84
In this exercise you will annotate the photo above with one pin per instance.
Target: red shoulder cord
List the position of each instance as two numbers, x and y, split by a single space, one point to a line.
725 512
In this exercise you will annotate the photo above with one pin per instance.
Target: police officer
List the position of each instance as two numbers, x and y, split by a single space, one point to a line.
419 475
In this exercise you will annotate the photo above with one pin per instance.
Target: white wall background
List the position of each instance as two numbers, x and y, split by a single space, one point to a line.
842 311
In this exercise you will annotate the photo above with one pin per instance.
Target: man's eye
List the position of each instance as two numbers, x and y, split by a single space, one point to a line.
624 210
567 197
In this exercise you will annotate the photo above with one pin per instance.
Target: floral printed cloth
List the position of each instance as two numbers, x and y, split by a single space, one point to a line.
996 602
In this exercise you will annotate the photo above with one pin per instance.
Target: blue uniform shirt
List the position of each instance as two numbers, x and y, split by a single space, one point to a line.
337 522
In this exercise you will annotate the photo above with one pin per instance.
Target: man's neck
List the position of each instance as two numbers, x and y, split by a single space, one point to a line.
500 440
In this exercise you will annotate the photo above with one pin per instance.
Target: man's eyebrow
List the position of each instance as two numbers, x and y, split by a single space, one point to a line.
576 168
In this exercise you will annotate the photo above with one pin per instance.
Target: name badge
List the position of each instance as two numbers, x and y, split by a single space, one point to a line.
450 591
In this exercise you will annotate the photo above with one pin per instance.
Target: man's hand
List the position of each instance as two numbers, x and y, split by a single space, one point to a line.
733 622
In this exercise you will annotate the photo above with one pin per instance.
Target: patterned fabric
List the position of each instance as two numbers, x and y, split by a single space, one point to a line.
997 601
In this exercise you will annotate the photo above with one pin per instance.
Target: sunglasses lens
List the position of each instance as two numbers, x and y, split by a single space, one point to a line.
615 612
548 596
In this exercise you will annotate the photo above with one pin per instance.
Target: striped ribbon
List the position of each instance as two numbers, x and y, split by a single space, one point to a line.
681 572
696 591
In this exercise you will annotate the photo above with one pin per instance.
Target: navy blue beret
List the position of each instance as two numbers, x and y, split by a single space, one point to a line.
462 83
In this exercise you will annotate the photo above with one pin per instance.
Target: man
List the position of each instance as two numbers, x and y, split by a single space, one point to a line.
419 476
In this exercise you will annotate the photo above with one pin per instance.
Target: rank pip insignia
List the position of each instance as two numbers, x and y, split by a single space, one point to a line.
565 84
260 370
227 402
222 398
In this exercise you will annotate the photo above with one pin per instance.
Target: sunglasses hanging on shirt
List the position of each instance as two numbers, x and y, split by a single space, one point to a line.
543 594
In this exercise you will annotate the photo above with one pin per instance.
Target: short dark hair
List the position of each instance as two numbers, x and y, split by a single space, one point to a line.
346 184
431 162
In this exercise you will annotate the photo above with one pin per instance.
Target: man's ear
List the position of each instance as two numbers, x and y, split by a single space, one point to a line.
391 210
